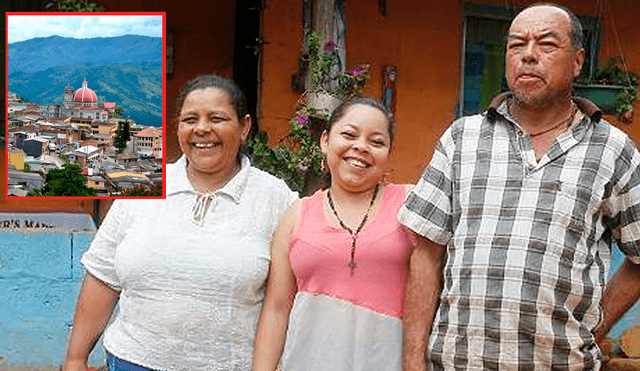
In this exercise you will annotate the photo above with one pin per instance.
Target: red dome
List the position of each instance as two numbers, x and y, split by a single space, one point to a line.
85 95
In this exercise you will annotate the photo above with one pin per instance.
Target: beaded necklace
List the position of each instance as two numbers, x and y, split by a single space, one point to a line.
565 122
354 235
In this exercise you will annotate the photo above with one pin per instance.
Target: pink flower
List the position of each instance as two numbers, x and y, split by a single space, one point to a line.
330 46
357 71
303 119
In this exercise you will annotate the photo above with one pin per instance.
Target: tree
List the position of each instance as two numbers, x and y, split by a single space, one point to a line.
120 140
154 190
118 112
67 181
35 193
127 130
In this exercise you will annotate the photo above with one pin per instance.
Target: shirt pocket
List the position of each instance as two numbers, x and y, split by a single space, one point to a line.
573 217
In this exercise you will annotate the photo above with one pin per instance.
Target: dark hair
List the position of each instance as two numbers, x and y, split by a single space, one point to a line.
575 27
238 99
342 109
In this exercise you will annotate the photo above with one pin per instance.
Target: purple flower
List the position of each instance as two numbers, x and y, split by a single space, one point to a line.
303 119
357 71
330 46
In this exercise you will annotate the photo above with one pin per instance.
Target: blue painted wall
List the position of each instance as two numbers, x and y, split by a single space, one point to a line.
632 317
40 275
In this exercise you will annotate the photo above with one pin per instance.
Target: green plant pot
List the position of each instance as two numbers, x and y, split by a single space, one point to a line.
604 96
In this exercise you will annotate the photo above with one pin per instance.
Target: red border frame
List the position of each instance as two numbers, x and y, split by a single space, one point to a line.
164 86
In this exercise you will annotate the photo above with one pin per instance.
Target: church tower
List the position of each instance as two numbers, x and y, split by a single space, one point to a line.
68 96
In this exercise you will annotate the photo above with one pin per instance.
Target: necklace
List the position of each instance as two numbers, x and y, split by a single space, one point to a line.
354 235
574 110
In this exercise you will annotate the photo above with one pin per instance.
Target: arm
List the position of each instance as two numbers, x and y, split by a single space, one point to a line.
96 302
421 301
280 292
622 291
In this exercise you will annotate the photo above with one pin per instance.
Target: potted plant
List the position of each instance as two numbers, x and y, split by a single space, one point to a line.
296 158
612 88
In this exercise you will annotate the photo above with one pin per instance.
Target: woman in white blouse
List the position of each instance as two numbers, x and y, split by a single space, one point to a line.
188 271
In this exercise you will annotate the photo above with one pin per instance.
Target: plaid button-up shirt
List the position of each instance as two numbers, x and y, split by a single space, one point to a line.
528 240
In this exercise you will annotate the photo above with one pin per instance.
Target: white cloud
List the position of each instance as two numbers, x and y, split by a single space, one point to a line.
25 27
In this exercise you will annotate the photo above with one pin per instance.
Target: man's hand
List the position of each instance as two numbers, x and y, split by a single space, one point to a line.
622 291
424 284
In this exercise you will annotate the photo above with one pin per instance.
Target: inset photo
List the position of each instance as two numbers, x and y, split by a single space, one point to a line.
85 104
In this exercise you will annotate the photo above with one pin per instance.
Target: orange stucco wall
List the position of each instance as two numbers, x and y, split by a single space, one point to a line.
282 32
421 39
424 40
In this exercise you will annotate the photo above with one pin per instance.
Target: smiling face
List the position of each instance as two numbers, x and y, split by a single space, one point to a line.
357 148
541 62
210 133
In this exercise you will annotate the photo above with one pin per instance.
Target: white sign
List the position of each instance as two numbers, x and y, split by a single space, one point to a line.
49 222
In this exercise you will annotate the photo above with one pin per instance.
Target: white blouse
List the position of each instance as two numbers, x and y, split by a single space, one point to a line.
191 291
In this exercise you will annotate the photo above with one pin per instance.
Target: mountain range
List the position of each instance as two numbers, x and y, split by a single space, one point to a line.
126 70
40 53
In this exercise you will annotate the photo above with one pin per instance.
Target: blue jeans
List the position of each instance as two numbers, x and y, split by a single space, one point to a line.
116 364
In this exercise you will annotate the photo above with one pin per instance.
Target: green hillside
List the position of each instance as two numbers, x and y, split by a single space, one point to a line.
41 53
136 87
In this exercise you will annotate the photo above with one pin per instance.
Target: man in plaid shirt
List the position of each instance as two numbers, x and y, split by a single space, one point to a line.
518 209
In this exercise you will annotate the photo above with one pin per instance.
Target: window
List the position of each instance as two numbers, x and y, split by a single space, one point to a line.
485 31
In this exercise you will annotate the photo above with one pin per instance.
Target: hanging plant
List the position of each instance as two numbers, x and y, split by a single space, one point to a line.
296 158
612 88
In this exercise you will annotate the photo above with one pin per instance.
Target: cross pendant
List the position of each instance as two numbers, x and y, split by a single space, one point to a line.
352 262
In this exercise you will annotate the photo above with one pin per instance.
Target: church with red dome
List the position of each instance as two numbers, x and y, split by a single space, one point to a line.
83 103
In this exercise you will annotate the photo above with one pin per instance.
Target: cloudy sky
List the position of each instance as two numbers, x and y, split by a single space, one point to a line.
25 27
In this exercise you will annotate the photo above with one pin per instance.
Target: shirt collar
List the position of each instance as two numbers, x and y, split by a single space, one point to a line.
500 100
178 182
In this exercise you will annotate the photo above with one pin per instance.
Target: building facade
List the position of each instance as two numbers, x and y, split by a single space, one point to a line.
16 158
148 143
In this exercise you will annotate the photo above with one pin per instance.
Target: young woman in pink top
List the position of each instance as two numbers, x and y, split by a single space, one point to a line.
338 264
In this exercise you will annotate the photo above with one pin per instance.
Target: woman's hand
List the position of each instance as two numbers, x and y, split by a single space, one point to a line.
75 365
